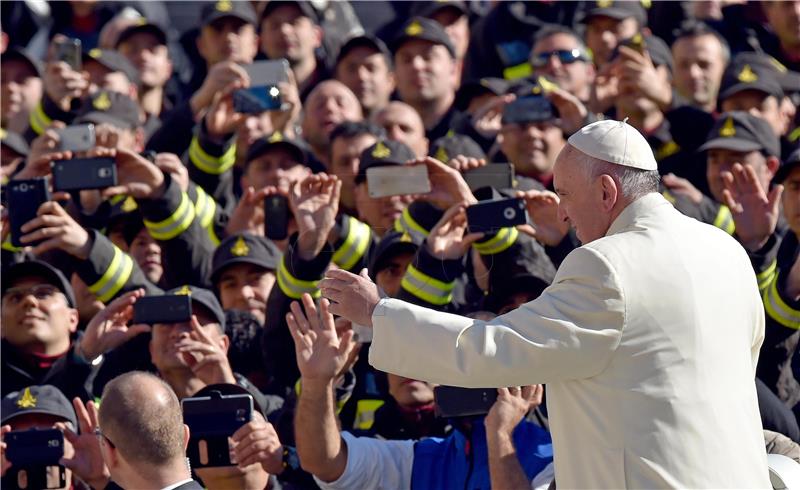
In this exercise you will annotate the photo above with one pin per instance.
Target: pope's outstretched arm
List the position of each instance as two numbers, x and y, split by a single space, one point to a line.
569 332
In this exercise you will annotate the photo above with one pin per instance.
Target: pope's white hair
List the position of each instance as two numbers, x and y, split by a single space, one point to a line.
633 182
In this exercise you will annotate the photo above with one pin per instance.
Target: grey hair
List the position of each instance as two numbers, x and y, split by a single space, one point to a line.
633 182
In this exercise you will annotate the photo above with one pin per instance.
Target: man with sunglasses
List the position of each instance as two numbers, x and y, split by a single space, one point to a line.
559 54
38 322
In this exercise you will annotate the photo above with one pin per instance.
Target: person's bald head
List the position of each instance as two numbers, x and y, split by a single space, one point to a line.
402 123
327 106
141 416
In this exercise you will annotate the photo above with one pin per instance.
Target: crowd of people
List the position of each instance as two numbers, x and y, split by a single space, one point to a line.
202 189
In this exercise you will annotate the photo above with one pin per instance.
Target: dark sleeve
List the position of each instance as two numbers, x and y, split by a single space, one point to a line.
295 277
175 132
355 240
109 272
185 244
429 281
210 164
73 376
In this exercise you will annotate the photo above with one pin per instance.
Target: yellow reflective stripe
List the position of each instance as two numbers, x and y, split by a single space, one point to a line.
767 275
365 413
204 207
212 235
209 163
410 226
176 224
112 280
777 309
293 287
426 287
518 71
724 220
9 247
38 119
504 239
669 197
355 244
794 135
114 200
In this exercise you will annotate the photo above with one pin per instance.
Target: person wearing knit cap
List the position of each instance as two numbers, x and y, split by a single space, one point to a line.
648 337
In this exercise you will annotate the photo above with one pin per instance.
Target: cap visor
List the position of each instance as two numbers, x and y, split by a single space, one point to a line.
241 260
730 144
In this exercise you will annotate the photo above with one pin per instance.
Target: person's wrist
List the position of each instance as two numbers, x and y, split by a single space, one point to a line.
82 352
85 244
316 385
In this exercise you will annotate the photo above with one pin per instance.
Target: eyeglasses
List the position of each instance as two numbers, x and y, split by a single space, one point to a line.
100 435
565 56
40 292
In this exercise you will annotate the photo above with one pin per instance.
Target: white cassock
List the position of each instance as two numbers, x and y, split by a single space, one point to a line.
647 340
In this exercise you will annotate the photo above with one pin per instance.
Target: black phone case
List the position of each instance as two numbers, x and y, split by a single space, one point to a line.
81 174
24 199
276 217
491 216
35 447
213 419
169 308
452 401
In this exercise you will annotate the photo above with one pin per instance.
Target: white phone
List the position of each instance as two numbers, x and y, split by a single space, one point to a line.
397 180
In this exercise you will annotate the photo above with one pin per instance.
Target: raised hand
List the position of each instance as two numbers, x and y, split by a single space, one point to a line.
63 84
58 230
571 110
448 187
109 328
314 203
87 462
39 166
220 76
755 212
321 354
248 216
464 164
638 74
136 176
170 163
487 120
5 464
679 185
221 119
542 207
448 239
257 442
284 120
511 407
604 89
207 360
352 296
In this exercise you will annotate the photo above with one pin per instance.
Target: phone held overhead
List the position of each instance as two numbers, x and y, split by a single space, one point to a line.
383 167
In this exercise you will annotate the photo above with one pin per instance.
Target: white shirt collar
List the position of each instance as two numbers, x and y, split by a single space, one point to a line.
177 484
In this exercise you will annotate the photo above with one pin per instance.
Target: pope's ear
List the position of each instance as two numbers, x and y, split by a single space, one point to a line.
610 191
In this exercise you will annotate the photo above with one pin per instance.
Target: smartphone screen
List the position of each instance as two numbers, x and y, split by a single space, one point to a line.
255 100
69 51
80 137
396 180
24 199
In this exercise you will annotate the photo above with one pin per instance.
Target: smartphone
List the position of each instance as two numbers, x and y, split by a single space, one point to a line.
451 401
255 100
263 93
167 308
34 453
496 175
395 180
24 199
491 216
212 420
69 51
79 137
84 173
276 217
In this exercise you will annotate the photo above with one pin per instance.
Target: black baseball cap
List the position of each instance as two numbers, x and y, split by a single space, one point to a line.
244 248
428 8
787 79
110 107
15 142
742 131
38 399
365 40
113 61
393 243
306 9
616 9
41 269
142 26
381 154
227 8
424 29
657 49
791 163
531 108
447 147
204 298
742 75
277 140
477 87
24 56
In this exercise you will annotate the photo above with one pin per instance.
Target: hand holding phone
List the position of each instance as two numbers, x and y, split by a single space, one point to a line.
276 217
264 93
79 137
491 216
24 199
452 401
212 420
84 173
70 52
35 452
168 308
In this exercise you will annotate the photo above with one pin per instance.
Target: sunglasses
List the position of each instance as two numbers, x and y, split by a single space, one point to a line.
565 56
100 435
